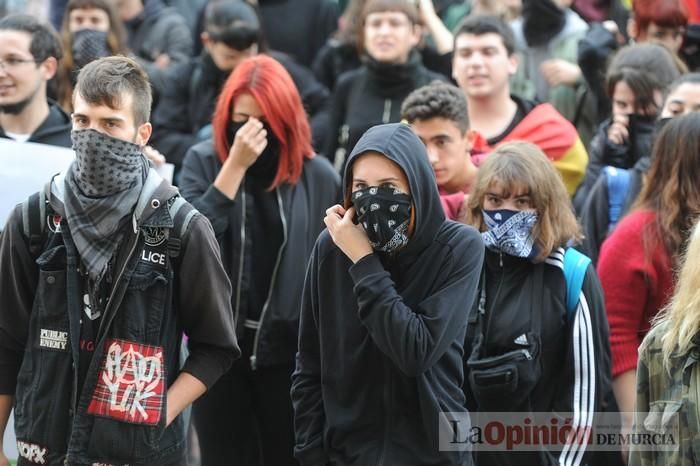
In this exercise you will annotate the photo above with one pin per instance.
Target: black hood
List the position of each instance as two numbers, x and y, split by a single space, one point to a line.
399 144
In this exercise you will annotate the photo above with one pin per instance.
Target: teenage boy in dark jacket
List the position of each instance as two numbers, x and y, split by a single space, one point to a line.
384 315
29 55
98 284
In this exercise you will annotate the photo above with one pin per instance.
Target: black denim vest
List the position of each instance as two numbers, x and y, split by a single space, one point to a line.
119 418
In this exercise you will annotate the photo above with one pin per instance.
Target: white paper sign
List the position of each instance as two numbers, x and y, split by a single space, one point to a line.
26 167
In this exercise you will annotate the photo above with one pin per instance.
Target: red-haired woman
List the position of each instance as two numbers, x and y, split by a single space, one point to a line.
265 194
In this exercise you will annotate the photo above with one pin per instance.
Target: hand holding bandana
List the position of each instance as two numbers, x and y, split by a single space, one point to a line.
384 213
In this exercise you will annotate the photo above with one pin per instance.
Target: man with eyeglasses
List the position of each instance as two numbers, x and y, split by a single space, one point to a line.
29 55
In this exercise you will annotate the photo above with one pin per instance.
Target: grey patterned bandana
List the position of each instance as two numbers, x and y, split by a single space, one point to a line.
102 187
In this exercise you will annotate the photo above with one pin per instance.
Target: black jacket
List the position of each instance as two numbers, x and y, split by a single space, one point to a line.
595 216
603 152
380 341
158 30
574 349
55 129
119 414
298 27
302 209
368 96
187 103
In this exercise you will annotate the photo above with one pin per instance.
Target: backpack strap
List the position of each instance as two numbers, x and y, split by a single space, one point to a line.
618 186
34 213
575 266
182 213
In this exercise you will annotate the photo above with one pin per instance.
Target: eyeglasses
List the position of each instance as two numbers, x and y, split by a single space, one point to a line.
13 63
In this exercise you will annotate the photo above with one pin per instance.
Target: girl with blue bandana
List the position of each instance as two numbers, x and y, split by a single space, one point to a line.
524 352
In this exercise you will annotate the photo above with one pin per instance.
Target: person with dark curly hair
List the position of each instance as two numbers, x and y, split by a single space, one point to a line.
438 115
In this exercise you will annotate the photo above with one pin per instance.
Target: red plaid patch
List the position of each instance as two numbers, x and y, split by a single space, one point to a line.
131 383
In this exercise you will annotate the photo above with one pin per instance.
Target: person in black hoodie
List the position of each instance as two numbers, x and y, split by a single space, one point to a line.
527 349
265 193
373 93
384 313
183 114
29 56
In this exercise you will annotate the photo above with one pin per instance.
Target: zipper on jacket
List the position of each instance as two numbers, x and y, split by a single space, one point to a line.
254 357
115 283
237 311
387 111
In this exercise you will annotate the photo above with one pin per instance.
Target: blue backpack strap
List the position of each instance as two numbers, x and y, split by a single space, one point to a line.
618 186
575 266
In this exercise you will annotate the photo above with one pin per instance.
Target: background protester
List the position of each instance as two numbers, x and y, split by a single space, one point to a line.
182 116
438 115
529 347
637 95
484 61
659 21
157 36
342 52
383 317
546 37
638 259
298 28
373 93
615 190
30 53
264 191
91 29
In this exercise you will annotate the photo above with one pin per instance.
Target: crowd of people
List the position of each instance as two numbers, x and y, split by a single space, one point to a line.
383 215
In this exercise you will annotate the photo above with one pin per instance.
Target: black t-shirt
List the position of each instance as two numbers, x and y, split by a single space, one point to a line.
93 304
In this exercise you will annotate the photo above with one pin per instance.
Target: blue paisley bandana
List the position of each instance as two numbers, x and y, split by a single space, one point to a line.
510 232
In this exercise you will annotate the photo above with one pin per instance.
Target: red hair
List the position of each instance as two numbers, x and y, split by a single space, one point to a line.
666 13
266 80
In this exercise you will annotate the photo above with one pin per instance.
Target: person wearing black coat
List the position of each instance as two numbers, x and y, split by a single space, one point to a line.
384 314
373 93
265 193
183 114
298 28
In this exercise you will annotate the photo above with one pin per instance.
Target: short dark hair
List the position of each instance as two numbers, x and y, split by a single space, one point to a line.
437 100
45 42
486 24
106 80
232 22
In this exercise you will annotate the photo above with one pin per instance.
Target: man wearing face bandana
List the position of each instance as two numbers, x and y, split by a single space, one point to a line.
99 281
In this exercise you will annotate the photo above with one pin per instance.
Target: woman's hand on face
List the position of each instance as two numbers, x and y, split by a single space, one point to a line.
250 141
350 238
618 132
